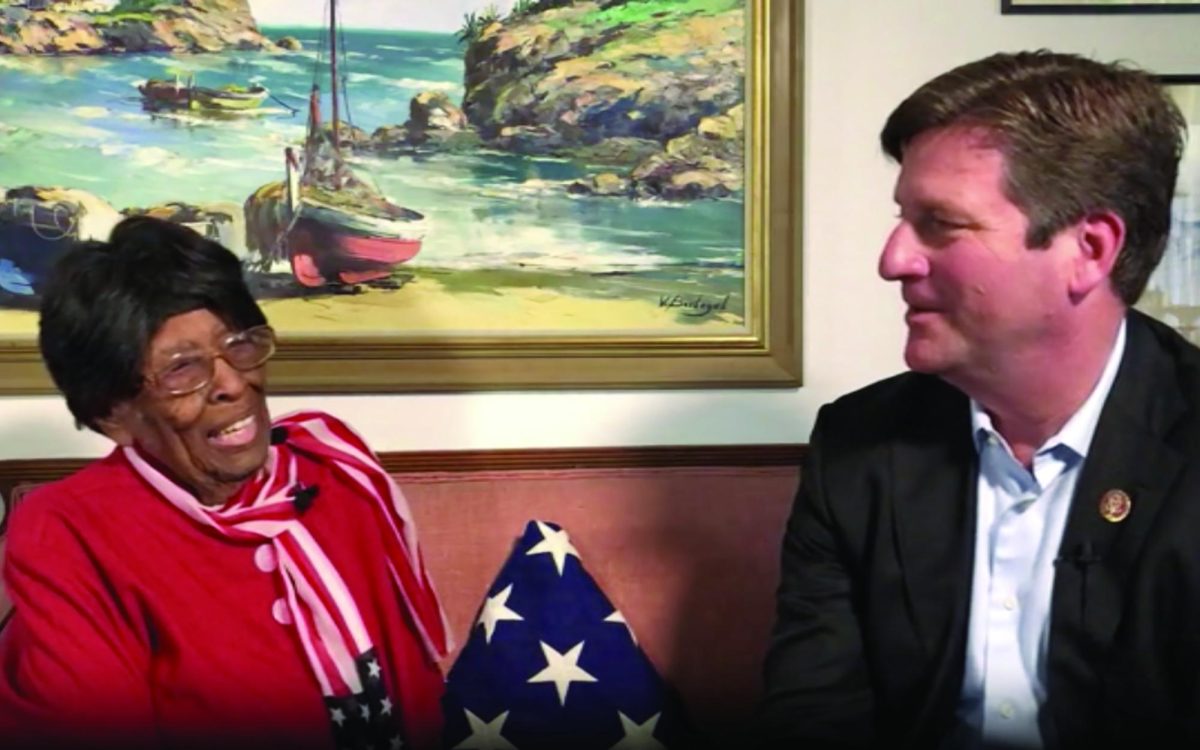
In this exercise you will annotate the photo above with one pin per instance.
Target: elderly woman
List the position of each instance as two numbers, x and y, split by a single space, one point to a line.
216 580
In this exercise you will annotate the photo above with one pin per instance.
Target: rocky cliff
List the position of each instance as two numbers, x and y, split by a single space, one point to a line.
80 27
652 85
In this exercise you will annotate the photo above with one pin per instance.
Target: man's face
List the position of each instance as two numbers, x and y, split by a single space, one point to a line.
211 440
976 295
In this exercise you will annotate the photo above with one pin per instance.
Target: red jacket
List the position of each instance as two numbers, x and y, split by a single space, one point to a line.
135 627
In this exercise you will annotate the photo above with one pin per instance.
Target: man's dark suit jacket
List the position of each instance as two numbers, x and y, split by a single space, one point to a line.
870 642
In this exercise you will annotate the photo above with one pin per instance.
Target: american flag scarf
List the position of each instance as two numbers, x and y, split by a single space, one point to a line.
327 619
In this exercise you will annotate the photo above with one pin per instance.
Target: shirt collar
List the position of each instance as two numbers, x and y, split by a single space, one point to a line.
1077 433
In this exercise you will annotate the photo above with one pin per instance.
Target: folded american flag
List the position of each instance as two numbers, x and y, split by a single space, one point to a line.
551 664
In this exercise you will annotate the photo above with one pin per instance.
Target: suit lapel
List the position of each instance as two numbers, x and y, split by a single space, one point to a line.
934 511
1129 452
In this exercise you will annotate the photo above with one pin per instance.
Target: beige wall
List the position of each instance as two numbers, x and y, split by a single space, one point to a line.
862 57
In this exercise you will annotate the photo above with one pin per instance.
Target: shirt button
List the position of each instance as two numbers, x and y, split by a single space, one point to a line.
1010 603
1007 710
265 559
281 613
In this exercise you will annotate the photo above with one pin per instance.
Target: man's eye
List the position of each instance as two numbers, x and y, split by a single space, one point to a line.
940 224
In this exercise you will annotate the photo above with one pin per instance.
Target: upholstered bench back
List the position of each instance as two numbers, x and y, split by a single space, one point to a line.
689 555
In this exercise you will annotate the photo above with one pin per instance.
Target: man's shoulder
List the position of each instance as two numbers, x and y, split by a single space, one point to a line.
1170 342
896 398
899 408
1160 367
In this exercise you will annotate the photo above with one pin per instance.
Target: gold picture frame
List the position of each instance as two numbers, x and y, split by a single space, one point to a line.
767 354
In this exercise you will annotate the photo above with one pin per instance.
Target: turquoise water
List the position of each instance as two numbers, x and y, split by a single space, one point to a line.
78 122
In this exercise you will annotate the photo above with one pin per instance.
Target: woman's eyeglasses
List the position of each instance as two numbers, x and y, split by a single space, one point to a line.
188 372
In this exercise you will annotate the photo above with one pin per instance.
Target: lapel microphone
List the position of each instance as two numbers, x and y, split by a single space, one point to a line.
302 497
1082 556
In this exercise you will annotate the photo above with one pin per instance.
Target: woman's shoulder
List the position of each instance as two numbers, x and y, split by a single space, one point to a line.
80 499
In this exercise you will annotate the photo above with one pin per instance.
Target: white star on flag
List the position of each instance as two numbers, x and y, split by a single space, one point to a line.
365 711
638 736
396 743
562 670
616 616
554 543
495 609
485 735
373 668
337 716
385 707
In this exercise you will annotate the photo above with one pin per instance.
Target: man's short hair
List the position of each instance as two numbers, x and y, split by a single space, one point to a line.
1078 136
104 302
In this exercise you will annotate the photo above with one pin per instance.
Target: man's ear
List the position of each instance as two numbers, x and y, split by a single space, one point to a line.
1100 237
118 424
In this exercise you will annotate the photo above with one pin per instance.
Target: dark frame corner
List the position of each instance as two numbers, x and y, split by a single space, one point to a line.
1014 7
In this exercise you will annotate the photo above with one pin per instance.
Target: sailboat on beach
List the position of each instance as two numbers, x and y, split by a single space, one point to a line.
336 227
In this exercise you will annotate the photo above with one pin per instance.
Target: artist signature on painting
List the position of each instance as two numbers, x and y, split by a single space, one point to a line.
694 305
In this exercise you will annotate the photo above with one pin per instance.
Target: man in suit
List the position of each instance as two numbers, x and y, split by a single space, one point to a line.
1001 548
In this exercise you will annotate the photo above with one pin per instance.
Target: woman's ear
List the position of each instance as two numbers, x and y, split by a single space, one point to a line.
118 425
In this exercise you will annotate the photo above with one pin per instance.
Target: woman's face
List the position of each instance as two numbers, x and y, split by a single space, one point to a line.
210 441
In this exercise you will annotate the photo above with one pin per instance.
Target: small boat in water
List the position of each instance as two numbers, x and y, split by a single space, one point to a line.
162 94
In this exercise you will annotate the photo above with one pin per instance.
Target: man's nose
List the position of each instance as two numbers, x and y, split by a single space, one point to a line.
903 255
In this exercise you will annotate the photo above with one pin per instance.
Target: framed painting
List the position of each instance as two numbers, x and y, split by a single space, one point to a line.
1173 293
1098 6
429 196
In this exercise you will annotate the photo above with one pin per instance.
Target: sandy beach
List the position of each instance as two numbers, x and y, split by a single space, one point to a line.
439 301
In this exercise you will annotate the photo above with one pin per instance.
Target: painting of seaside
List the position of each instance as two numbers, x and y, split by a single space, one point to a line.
524 167
1173 294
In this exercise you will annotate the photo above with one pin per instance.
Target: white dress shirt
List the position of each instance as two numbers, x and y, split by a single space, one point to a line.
1021 515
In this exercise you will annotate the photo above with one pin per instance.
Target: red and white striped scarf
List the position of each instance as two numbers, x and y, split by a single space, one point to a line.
326 616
